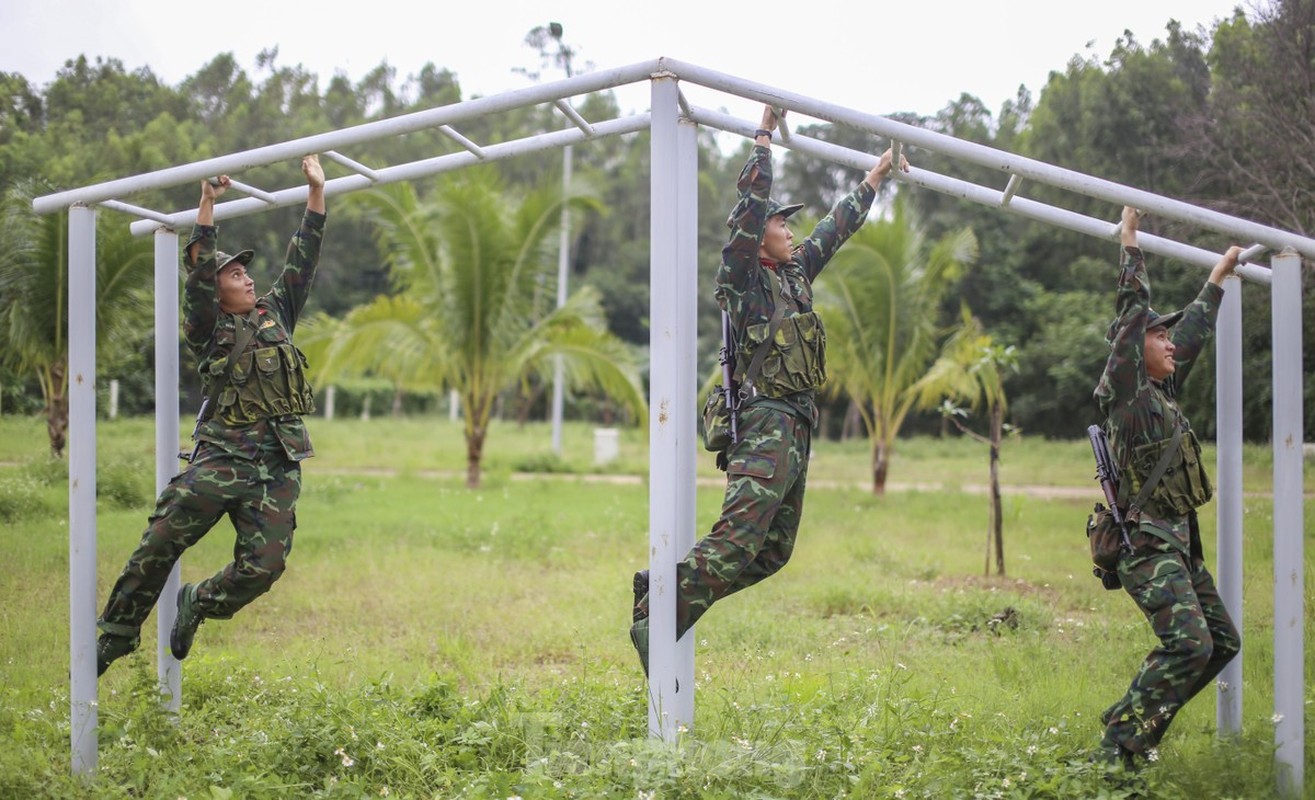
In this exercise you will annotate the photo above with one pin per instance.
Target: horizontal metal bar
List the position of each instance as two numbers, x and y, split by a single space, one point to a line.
1252 253
682 102
574 116
985 195
235 163
410 171
354 166
136 211
992 158
455 135
1015 181
247 189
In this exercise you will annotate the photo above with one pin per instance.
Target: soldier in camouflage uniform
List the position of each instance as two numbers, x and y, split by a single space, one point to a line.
247 463
1151 355
767 468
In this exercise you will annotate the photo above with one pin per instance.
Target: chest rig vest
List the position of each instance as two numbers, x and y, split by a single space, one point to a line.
1185 485
796 356
268 378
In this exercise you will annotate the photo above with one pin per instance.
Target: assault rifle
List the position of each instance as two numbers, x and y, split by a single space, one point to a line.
730 392
201 417
1107 472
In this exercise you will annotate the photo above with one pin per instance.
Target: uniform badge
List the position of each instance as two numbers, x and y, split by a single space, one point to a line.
269 323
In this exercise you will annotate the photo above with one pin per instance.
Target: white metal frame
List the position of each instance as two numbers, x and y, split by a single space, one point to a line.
673 274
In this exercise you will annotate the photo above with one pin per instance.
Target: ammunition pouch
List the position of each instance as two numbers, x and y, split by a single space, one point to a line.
796 360
269 381
716 421
1185 485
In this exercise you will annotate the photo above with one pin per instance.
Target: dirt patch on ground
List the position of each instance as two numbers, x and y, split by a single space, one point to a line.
995 583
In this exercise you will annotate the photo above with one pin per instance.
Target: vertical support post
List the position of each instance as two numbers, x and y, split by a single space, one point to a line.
1289 633
1228 501
82 485
168 670
668 436
687 281
563 268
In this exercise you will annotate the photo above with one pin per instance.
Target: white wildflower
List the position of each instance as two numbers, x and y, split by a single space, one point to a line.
347 760
1276 719
1153 754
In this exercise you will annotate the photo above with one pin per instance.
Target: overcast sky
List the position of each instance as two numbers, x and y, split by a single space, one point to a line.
877 57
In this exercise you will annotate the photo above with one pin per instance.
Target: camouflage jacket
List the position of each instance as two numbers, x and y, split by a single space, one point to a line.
744 286
1138 410
211 333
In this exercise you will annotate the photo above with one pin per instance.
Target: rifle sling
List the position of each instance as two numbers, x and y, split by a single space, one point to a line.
244 335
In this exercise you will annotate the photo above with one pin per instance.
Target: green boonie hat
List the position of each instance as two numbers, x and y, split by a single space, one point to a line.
223 259
1154 319
774 208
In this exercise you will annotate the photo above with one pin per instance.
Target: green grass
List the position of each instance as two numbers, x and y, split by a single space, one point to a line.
433 641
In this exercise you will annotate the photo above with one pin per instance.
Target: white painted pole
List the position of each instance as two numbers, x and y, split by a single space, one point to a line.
683 411
563 268
114 398
664 397
1228 499
330 400
1289 633
168 670
82 486
453 405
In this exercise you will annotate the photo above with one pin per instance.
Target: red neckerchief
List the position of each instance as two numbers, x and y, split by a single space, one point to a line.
767 262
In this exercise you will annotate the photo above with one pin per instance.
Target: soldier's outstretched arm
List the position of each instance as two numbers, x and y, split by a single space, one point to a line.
310 166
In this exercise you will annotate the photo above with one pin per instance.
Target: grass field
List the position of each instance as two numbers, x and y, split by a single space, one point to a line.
433 641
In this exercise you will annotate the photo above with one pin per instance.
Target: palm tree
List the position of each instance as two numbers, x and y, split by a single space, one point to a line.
34 297
881 297
971 369
472 308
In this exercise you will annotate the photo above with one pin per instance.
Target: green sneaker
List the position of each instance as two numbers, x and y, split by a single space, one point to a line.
185 625
111 647
639 638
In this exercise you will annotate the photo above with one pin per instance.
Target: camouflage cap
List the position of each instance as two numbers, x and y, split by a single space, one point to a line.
1154 319
223 259
774 207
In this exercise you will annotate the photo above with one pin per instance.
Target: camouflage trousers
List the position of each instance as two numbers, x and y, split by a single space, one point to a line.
1197 639
754 537
260 498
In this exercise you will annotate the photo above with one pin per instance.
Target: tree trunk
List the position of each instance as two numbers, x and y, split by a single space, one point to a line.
997 510
56 392
853 425
880 465
474 454
397 401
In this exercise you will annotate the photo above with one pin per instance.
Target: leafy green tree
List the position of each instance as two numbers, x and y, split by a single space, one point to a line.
34 297
474 306
971 370
880 297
